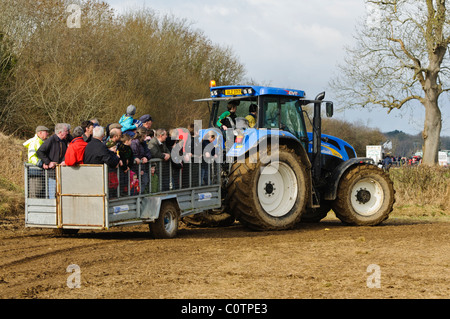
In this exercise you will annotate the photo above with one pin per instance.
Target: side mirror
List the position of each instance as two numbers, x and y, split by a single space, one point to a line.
329 108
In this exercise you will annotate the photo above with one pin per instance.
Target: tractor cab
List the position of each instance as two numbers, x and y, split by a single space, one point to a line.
279 117
276 109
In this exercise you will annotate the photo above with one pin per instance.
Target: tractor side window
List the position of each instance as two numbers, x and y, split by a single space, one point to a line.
291 119
271 113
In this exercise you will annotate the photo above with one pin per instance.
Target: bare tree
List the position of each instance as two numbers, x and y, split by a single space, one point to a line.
399 57
69 73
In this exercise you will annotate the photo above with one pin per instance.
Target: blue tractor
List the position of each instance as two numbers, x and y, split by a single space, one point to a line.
276 174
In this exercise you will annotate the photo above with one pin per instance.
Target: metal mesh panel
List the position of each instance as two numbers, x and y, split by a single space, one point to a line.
40 183
153 177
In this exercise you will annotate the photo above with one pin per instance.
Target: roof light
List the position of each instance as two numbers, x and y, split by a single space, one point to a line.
212 83
248 91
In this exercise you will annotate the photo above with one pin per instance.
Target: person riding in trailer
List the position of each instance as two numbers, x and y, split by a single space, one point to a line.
129 124
228 118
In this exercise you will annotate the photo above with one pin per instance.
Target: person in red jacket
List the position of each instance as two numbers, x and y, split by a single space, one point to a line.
75 150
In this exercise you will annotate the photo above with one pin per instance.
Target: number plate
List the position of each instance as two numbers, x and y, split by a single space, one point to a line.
233 92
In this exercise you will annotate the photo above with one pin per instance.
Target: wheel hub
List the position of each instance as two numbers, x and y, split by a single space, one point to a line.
168 221
269 188
367 196
363 196
277 189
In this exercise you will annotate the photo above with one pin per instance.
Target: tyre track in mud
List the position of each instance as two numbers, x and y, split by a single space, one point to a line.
28 267
46 254
325 260
68 244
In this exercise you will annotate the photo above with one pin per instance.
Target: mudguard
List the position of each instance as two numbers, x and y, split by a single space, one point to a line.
150 206
338 172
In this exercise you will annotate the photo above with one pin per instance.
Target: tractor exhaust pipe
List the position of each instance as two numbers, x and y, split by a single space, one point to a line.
317 135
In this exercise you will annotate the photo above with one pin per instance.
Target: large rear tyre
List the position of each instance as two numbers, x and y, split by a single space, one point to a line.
365 196
166 226
269 196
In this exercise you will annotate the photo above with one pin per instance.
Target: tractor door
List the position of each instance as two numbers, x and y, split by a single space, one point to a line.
284 113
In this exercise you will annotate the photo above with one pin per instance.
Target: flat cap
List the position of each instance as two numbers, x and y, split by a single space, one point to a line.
145 118
41 128
114 125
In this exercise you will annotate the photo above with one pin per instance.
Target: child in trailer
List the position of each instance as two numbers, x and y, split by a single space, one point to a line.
129 124
126 155
125 152
209 154
154 180
134 184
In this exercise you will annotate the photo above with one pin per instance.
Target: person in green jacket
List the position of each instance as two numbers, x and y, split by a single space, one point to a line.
227 119
34 143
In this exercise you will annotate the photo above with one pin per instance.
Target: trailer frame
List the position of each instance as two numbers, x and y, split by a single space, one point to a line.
82 197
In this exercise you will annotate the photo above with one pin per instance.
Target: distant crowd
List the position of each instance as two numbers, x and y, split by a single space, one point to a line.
392 161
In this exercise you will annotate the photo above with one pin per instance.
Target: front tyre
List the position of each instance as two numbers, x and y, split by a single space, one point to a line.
365 196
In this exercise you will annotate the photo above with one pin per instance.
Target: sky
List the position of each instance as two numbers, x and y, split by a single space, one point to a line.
294 44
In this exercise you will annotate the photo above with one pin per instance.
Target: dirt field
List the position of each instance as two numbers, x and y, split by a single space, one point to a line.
325 260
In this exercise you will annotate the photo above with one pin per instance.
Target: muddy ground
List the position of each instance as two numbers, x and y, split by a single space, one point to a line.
324 260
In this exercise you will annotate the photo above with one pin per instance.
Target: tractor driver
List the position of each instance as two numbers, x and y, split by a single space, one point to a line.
227 119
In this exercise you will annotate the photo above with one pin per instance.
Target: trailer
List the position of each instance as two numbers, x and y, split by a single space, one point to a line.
95 197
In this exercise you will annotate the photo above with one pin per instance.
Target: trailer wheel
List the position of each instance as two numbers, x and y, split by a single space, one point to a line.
269 196
166 226
365 196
